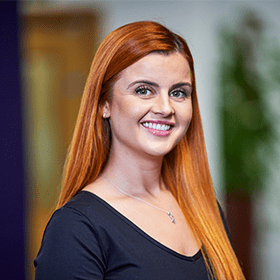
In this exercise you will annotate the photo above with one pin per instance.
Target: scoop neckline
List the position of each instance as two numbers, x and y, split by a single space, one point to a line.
193 258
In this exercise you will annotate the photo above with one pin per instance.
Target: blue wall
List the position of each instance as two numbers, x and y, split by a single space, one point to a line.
11 159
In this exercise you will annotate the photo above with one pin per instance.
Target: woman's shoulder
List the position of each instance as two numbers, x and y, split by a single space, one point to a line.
82 201
77 213
79 220
86 209
70 238
83 206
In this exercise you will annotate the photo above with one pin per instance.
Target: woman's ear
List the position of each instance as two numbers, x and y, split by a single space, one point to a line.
106 110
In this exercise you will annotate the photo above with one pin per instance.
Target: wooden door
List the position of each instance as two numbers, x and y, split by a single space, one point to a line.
56 52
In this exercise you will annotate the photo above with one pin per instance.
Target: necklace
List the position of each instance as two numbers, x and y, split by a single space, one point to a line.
169 213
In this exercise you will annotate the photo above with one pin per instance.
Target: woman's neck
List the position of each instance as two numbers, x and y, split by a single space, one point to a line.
136 175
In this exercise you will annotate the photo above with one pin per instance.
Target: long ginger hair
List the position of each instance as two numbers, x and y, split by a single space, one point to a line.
185 169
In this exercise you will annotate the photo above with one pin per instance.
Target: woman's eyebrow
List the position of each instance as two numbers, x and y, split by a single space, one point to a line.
181 85
143 82
157 85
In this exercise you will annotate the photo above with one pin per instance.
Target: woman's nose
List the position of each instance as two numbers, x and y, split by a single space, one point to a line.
163 105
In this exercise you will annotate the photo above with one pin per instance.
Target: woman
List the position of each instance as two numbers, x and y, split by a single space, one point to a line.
137 200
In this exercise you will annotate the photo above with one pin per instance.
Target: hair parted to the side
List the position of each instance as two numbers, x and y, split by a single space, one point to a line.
185 169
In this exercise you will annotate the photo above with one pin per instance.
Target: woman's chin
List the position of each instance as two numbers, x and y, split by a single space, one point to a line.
158 151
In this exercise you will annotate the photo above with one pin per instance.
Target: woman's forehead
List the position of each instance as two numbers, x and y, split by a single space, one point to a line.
159 67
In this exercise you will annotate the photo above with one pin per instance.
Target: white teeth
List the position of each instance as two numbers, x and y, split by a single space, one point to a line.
156 126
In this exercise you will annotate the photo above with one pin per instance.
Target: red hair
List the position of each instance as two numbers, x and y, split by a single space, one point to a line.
185 169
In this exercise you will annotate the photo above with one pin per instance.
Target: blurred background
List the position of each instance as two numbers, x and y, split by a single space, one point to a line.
46 51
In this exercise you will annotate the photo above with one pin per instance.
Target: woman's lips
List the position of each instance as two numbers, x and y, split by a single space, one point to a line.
158 128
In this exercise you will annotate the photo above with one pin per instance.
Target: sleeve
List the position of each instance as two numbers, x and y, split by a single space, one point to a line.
71 249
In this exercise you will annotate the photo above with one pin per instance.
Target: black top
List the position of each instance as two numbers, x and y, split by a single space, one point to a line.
88 239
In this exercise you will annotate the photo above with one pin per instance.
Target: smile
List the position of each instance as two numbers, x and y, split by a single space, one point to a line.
157 126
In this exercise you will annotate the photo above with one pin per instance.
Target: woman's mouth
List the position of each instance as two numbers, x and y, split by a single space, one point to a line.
158 128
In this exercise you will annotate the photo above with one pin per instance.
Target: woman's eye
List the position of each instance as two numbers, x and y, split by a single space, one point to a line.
179 94
143 91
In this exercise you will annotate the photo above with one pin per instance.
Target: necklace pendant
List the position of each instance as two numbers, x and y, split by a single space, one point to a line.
171 217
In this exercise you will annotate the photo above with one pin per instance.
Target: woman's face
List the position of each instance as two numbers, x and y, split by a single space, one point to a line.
151 106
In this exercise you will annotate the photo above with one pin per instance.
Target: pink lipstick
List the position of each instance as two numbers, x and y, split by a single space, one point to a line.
158 128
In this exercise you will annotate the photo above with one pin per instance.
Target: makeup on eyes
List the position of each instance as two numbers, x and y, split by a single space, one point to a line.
147 91
146 82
